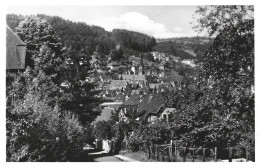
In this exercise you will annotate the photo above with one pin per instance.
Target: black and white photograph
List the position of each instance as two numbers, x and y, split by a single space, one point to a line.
130 83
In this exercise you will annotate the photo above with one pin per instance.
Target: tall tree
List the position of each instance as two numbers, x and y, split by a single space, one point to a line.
44 49
228 65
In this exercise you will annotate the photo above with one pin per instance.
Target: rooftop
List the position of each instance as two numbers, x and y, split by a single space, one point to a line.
134 100
132 77
15 51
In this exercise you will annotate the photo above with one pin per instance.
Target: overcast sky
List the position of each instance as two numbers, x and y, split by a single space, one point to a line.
157 21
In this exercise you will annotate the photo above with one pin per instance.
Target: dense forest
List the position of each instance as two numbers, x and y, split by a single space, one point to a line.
78 35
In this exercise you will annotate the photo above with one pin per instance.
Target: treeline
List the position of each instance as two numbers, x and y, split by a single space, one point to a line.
134 40
77 36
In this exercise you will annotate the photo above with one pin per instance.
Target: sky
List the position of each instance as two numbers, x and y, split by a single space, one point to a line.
157 21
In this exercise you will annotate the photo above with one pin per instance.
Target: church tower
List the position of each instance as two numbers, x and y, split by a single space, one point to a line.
141 66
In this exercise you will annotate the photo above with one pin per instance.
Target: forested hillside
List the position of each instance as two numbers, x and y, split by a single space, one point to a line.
78 35
184 47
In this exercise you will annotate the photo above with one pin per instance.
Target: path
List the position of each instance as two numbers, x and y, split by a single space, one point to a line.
96 155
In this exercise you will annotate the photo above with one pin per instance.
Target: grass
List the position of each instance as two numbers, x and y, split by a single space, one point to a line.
141 156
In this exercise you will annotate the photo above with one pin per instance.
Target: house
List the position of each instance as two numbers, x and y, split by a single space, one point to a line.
188 62
121 97
144 90
108 109
129 108
154 108
108 93
142 108
135 91
137 60
15 51
154 86
158 55
113 65
117 84
175 59
105 114
132 77
145 108
167 114
115 105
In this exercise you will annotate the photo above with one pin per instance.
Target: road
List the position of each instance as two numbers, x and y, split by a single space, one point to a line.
101 156
108 159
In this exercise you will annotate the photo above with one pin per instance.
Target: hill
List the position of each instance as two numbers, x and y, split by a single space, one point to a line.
78 36
183 47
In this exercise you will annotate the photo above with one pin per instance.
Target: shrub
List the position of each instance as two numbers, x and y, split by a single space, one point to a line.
38 132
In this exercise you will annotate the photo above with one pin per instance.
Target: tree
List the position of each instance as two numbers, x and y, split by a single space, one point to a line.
43 48
228 65
134 40
103 130
38 132
116 54
39 126
81 97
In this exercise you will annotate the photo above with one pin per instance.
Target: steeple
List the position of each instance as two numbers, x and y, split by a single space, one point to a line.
142 63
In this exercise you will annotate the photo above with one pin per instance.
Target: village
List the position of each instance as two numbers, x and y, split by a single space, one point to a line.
80 93
137 88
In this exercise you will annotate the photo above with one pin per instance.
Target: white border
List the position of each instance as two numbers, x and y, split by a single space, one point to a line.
118 2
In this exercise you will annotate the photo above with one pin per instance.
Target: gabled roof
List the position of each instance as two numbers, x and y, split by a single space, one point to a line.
134 100
120 97
133 77
136 91
15 51
105 114
156 102
143 104
117 84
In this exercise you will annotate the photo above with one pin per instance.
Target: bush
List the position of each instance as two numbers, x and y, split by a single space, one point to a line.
38 132
134 143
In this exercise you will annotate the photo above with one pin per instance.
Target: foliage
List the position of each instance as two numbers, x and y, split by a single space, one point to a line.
43 47
134 40
116 54
222 112
229 62
158 133
39 125
103 130
77 36
38 132
13 20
